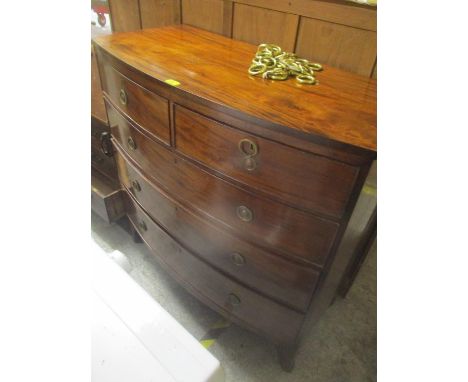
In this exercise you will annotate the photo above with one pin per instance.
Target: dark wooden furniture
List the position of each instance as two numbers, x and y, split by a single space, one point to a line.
106 193
242 187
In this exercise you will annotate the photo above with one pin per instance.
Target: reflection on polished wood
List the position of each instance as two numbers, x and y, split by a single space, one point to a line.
341 108
242 187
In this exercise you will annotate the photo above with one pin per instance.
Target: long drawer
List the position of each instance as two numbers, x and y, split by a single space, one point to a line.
288 230
303 179
224 294
272 275
146 108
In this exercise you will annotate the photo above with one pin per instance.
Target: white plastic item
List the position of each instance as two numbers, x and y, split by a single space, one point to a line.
135 339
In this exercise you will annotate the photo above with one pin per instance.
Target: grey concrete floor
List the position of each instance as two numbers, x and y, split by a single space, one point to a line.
342 346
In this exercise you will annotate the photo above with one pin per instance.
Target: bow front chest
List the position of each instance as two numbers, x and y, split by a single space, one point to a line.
242 187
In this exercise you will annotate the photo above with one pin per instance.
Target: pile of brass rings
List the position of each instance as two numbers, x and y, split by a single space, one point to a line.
272 63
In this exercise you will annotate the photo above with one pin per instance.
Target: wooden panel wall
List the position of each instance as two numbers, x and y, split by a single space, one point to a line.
338 45
257 25
125 15
205 14
333 33
158 13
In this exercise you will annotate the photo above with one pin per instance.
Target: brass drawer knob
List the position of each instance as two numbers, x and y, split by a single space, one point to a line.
142 225
237 259
131 143
248 147
244 213
123 97
233 299
136 186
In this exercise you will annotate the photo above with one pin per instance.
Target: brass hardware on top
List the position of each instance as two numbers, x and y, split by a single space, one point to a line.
131 143
244 213
233 299
237 259
136 185
272 63
142 225
123 96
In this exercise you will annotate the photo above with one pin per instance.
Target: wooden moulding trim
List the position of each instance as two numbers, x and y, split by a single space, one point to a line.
349 15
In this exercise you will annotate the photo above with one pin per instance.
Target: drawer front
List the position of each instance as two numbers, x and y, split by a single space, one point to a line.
99 131
147 109
285 229
103 163
272 275
303 179
233 299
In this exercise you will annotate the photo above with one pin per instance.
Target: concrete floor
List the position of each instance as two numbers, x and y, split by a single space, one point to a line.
342 347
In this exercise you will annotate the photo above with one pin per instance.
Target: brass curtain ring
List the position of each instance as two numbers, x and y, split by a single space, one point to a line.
257 69
315 66
306 79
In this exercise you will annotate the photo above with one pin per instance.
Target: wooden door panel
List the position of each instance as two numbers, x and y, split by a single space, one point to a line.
337 45
260 25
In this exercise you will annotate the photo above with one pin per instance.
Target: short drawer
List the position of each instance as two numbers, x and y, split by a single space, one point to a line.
221 292
303 179
282 228
272 275
147 109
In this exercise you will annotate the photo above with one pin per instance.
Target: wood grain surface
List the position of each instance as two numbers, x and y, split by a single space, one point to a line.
252 309
341 108
98 109
282 229
204 14
145 108
158 13
299 178
258 25
125 15
274 276
337 45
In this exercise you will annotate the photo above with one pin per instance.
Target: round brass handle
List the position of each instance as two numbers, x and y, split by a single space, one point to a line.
136 185
142 225
233 299
237 259
123 97
131 143
244 213
248 147
250 164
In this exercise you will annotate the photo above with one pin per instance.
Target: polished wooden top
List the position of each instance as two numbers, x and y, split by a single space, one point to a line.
342 107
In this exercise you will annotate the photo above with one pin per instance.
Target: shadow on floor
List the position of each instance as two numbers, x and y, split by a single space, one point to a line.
340 348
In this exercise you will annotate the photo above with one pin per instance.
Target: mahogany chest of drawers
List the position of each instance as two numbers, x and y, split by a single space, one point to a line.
241 187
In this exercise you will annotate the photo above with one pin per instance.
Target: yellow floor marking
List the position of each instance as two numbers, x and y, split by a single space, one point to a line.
207 343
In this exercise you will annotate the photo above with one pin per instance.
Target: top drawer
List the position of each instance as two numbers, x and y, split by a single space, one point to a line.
147 109
303 179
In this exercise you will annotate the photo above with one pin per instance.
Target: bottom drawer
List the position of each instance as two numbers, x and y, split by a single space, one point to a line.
220 292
